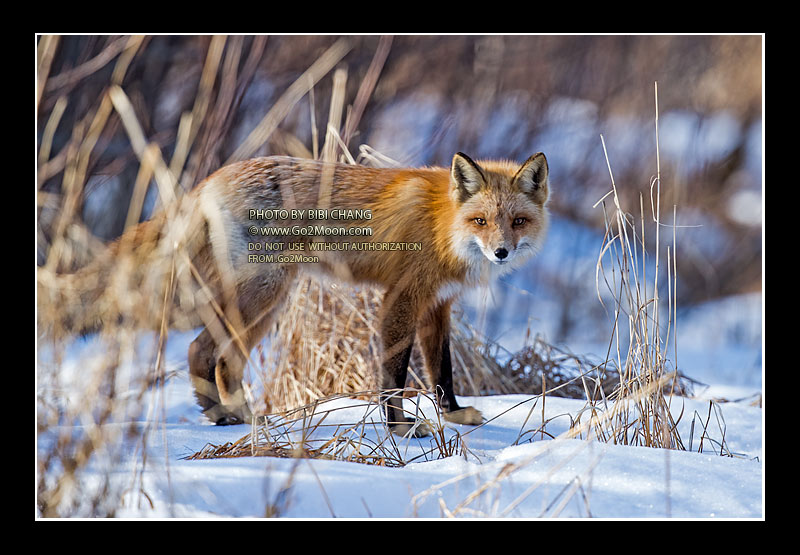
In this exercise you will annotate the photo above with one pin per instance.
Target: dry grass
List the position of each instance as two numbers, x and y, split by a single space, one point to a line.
303 433
638 408
325 347
641 337
326 343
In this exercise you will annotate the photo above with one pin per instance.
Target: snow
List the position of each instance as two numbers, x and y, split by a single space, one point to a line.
508 471
505 472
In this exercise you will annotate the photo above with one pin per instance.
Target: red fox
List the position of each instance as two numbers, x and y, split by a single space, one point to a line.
245 232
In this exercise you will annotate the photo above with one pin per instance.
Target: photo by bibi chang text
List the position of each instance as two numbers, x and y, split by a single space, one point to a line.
310 214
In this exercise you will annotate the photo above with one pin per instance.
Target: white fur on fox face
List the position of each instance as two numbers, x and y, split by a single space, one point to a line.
491 255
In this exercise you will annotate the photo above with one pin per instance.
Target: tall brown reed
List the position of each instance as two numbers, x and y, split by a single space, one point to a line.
100 400
641 332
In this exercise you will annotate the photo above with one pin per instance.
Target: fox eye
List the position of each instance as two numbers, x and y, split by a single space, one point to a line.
519 221
480 221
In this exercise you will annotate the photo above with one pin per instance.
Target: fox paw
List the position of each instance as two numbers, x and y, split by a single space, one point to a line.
466 415
411 429
229 420
222 417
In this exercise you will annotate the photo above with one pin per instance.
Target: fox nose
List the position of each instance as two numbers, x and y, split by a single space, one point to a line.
501 253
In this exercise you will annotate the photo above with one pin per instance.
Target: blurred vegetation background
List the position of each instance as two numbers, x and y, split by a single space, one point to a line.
121 118
417 100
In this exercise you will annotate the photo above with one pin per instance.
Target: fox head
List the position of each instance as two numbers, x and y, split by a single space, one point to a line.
501 214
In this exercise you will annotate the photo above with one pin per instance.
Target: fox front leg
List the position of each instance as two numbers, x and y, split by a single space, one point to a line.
434 337
397 336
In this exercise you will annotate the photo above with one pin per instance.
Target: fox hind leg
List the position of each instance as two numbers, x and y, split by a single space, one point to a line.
216 375
202 369
217 360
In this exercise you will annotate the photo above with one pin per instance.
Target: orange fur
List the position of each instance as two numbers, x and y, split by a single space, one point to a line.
464 225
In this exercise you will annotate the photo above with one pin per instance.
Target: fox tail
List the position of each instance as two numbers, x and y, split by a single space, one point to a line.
128 283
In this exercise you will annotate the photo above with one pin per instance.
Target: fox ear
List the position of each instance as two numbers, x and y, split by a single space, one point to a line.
466 176
531 178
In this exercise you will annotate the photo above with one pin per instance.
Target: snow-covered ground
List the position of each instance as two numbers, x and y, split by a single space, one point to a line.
502 473
496 478
508 472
